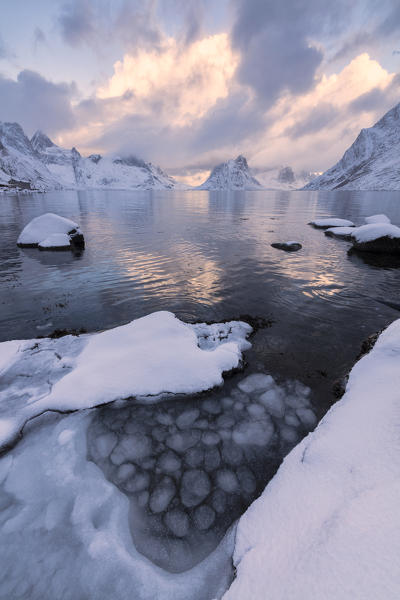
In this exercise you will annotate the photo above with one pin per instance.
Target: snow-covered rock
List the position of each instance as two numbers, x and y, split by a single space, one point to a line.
41 231
154 355
232 175
382 238
290 246
377 219
20 164
371 163
327 524
340 232
331 222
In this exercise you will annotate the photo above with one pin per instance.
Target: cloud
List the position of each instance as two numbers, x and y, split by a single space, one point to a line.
76 22
39 38
321 116
37 103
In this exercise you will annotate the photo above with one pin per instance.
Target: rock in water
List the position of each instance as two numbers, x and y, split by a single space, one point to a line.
288 246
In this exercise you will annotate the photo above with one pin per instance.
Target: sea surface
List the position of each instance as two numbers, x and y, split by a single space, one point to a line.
206 257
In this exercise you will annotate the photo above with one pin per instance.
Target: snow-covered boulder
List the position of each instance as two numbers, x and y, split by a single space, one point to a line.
290 246
344 233
331 222
40 228
377 219
327 525
381 238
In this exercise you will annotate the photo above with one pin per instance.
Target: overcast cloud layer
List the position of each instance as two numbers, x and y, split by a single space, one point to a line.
186 84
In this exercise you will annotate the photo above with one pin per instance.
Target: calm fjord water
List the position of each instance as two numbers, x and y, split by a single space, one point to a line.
205 256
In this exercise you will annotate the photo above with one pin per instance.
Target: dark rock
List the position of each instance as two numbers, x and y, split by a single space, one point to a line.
287 246
382 245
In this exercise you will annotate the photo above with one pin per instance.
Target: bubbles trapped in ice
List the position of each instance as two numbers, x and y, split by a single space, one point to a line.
191 467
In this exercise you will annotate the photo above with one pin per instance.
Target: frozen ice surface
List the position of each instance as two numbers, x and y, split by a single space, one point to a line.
255 382
203 517
55 240
162 495
150 356
227 481
195 487
253 432
273 402
177 522
377 219
327 525
331 222
43 226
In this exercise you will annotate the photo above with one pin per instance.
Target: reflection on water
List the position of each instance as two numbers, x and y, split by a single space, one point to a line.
205 256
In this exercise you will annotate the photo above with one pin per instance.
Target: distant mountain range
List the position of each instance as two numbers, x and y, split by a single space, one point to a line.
39 164
371 163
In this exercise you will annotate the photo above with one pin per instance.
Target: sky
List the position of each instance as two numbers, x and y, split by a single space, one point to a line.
187 84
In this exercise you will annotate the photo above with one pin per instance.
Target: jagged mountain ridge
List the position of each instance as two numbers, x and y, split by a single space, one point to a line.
231 175
39 164
371 163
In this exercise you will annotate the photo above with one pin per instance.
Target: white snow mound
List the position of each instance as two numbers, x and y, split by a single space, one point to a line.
150 356
340 231
326 527
377 219
332 222
41 227
56 240
374 231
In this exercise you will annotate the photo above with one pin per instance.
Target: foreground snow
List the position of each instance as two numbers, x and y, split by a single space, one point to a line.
331 222
374 231
326 527
150 356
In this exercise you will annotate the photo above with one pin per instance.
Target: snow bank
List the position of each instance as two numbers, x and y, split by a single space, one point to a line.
331 222
374 231
327 525
342 232
150 356
43 226
377 219
57 241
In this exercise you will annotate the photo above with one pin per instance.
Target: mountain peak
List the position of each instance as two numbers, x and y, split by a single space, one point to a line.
40 141
231 175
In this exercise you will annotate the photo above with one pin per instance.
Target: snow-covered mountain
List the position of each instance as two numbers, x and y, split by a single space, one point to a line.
39 164
371 163
231 175
282 178
20 164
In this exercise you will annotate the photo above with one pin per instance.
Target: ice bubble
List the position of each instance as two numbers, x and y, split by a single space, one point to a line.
201 424
131 427
180 442
288 434
246 479
212 406
194 457
238 395
258 433
225 421
227 480
126 471
231 453
292 420
159 433
164 418
212 459
162 495
195 487
238 405
301 389
148 463
210 438
227 402
273 402
306 416
203 517
218 500
169 462
255 410
131 448
296 401
143 498
187 418
105 444
138 483
225 434
177 522
256 383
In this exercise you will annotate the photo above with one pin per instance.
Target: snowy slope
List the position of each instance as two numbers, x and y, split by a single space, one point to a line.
20 164
327 526
371 163
231 175
95 171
